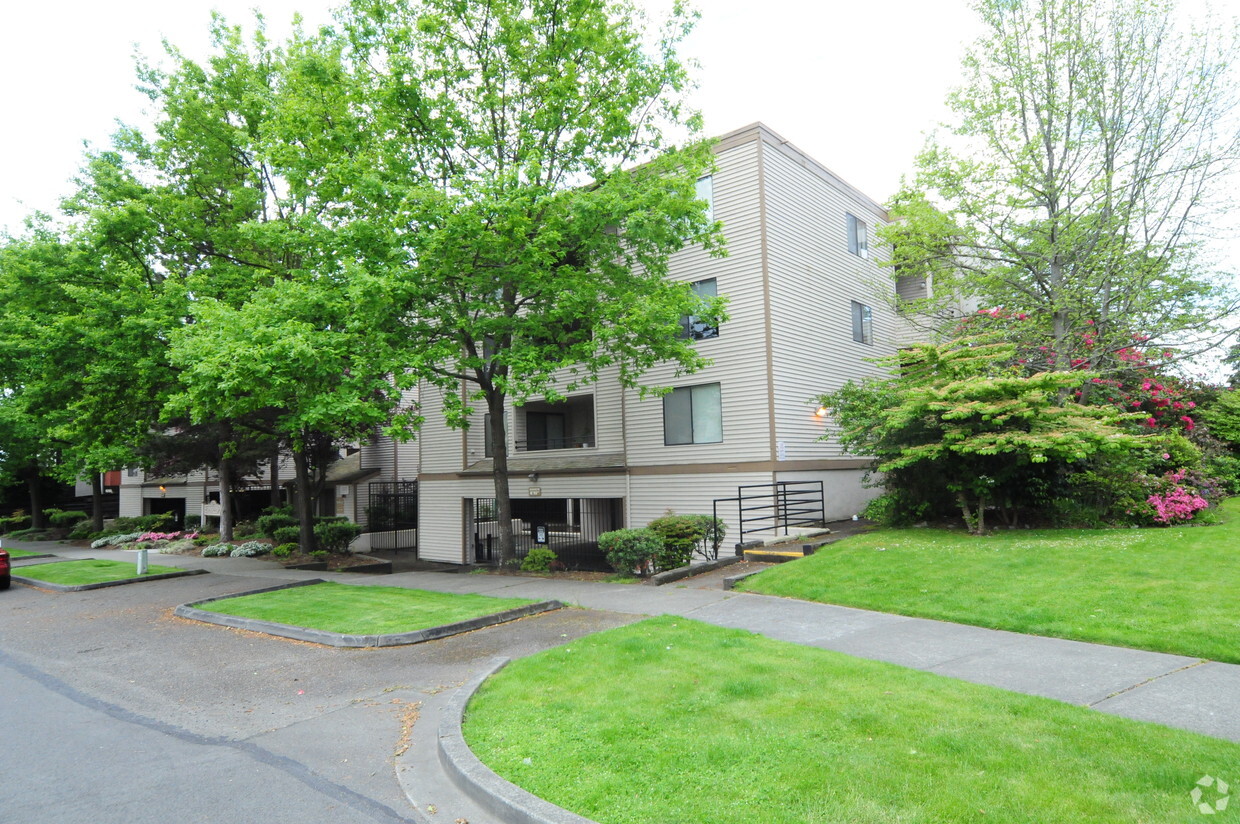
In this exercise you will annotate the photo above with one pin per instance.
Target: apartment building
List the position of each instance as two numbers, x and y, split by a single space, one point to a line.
809 308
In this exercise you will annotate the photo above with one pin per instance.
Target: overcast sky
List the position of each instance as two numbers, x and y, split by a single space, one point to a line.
853 87
856 85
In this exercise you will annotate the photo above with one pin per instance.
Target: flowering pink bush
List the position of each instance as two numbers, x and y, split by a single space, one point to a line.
165 536
1176 503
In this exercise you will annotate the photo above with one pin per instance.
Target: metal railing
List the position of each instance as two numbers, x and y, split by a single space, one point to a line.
782 505
543 444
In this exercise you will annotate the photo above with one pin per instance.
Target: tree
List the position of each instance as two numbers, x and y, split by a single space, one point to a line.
1088 145
288 363
959 415
78 343
519 249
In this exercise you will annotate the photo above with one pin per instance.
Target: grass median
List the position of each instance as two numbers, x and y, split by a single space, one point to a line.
1166 589
671 720
22 553
362 610
83 573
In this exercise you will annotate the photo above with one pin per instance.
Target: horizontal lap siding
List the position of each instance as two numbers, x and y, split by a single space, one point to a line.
814 279
440 527
440 444
844 490
690 494
739 353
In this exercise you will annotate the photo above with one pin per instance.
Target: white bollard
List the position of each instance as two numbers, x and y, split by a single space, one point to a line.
141 561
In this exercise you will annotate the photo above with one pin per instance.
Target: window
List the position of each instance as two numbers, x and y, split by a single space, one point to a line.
488 446
858 243
706 192
862 323
693 414
692 327
132 471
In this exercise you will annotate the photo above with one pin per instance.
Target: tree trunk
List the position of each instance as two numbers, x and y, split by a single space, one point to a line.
226 513
965 510
305 514
981 515
96 502
276 503
35 488
499 472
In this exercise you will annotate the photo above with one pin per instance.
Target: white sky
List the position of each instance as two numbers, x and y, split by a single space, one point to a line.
856 85
853 86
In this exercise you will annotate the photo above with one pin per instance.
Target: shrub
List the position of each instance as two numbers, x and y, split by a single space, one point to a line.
82 530
204 540
270 524
251 549
14 523
630 550
142 523
176 547
539 559
217 550
284 550
319 554
115 540
335 536
681 535
286 534
244 529
65 520
193 521
714 530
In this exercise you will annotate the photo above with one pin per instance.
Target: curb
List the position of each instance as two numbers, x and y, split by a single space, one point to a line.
347 640
38 584
15 561
661 578
508 802
731 581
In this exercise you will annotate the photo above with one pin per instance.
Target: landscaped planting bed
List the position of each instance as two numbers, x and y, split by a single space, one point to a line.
1171 590
671 720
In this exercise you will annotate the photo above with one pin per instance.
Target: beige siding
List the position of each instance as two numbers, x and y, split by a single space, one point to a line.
813 281
440 445
739 353
844 491
130 501
440 527
690 494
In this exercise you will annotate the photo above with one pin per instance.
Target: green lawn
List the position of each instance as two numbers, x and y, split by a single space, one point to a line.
669 720
362 610
22 553
1172 590
79 573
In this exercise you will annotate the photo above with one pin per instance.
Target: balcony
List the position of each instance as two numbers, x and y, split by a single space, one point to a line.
567 424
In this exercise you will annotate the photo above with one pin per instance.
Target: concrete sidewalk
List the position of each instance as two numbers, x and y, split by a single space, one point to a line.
1189 693
1176 691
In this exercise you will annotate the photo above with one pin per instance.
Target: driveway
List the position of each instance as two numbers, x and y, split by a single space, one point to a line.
114 710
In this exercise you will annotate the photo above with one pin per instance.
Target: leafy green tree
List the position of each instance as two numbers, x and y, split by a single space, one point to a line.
959 415
517 247
288 356
1086 149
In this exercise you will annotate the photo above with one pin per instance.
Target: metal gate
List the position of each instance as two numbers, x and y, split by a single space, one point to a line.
393 506
569 527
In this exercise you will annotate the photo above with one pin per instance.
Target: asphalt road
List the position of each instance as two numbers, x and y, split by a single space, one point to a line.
113 711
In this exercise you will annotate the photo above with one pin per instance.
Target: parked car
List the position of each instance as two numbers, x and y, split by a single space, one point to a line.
5 580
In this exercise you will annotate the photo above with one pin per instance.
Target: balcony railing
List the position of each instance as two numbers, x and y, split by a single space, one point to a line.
543 444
